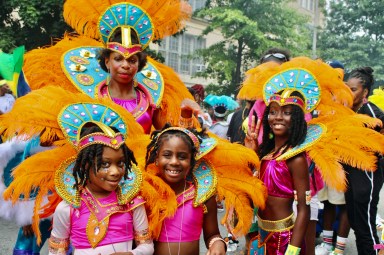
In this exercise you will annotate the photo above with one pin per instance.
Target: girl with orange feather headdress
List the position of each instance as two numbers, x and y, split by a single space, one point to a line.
290 90
108 59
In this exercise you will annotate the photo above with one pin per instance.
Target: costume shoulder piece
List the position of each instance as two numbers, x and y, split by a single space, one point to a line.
83 70
314 134
205 179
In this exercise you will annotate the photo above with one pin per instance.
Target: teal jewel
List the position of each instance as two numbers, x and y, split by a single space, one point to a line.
91 139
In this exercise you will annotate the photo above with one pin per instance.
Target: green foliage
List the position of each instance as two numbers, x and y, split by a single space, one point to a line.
249 27
32 23
354 34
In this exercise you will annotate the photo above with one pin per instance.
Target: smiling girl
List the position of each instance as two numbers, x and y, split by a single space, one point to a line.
288 180
98 220
173 150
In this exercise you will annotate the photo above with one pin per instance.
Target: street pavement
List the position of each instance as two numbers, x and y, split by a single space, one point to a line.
8 235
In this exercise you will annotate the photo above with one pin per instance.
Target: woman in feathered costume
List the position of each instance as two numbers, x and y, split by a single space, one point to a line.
290 90
108 58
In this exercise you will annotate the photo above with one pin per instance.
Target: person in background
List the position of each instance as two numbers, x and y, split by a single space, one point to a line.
7 100
236 132
362 195
221 105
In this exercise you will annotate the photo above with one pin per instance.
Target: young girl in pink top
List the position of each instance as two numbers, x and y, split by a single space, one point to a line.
173 150
101 211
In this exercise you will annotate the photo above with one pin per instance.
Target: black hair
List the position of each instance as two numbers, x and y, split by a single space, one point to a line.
192 91
91 156
116 37
298 129
365 75
272 51
156 142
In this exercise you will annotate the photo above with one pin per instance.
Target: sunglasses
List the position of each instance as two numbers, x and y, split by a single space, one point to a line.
276 55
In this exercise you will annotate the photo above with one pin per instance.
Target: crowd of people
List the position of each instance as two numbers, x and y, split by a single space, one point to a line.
110 153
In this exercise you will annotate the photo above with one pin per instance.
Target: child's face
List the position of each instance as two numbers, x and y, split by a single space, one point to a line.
174 159
107 178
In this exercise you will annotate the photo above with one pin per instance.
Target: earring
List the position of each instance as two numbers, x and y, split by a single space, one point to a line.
156 163
270 136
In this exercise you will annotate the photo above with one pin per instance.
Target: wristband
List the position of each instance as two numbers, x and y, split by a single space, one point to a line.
292 250
217 238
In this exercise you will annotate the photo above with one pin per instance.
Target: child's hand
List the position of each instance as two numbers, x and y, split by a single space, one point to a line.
217 248
250 140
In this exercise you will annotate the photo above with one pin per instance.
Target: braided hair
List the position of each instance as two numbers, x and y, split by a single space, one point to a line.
298 129
365 75
91 157
156 142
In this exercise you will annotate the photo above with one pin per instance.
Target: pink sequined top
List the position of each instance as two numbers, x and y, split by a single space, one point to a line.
187 224
140 107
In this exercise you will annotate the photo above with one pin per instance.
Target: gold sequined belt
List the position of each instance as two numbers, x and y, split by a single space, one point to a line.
278 225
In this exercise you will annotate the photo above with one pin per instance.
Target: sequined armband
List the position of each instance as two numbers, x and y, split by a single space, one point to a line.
308 197
58 246
143 236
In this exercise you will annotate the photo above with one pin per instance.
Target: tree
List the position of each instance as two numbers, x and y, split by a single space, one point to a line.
354 34
32 23
249 27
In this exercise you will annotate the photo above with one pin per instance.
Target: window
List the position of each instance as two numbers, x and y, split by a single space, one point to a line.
307 4
197 4
178 53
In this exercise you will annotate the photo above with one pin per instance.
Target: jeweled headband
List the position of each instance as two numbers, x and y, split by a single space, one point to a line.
108 138
191 135
285 98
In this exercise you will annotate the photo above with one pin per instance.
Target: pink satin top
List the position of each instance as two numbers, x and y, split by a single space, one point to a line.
276 177
120 228
187 224
140 107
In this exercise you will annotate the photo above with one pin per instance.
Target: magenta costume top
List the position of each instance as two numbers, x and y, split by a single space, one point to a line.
276 177
187 224
141 107
120 227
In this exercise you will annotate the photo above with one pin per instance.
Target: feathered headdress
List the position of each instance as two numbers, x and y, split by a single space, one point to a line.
221 104
143 20
320 87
